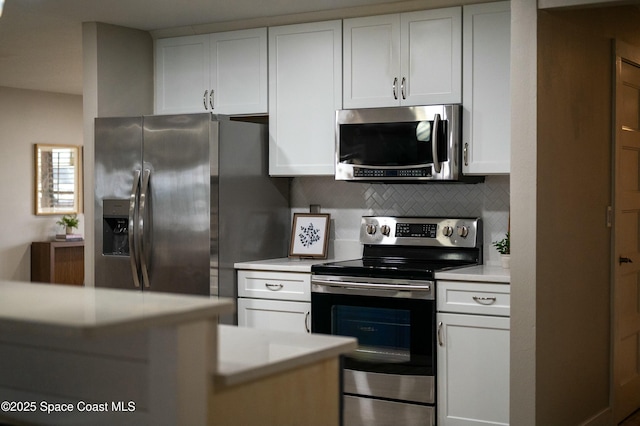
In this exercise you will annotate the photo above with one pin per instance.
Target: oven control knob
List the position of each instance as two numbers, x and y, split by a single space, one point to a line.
463 231
371 229
447 231
385 229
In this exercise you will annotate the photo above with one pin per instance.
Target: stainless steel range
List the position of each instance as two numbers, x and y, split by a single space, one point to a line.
386 299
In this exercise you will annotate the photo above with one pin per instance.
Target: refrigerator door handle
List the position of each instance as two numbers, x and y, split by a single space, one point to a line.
144 195
133 247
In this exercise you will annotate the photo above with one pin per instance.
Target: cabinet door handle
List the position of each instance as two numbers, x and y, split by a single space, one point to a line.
465 154
274 287
211 100
440 342
306 322
404 96
204 99
622 260
395 88
485 300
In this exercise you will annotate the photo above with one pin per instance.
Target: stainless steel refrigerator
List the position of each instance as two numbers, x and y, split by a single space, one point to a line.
180 198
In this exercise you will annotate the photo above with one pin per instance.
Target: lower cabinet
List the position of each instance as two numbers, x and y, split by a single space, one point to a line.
275 315
473 354
274 300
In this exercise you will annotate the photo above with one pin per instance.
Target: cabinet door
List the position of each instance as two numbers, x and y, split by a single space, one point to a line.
371 50
473 370
305 90
486 99
431 57
275 315
239 72
182 74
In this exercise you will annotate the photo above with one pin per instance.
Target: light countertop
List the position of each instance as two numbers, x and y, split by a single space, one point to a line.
287 264
248 353
86 311
480 273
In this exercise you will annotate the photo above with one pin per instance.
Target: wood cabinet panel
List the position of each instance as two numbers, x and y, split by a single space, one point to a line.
58 262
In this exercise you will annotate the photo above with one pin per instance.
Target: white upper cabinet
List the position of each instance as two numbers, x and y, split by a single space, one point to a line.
182 74
403 59
486 102
305 90
223 73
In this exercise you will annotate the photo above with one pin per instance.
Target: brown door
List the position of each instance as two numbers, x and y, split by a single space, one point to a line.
626 287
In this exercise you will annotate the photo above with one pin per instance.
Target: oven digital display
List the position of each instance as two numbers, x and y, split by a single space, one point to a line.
416 230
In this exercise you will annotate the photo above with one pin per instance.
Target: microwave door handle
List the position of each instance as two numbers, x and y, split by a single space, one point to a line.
434 143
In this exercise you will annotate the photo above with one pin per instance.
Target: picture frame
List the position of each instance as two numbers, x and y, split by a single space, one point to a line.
310 235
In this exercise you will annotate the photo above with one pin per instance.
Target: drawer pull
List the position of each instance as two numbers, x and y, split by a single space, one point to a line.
274 287
485 300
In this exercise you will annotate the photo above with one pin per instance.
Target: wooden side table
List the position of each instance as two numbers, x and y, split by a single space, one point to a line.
58 262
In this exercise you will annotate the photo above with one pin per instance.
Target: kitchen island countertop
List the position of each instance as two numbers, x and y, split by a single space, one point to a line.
66 345
248 353
86 311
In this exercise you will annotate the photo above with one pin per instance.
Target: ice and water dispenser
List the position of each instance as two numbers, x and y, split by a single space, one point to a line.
115 227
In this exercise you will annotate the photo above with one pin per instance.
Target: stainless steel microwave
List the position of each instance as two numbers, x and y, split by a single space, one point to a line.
419 143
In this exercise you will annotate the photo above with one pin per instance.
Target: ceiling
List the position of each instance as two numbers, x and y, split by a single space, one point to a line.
41 40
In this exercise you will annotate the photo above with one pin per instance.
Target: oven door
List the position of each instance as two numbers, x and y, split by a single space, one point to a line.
395 328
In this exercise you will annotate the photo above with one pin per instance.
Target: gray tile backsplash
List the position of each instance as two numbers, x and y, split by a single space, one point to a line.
347 202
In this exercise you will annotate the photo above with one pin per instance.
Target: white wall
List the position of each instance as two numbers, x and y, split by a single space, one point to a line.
523 208
28 117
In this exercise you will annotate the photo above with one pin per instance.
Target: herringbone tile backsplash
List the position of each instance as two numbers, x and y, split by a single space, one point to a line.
347 202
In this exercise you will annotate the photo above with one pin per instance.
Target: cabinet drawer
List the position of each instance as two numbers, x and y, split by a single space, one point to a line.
274 285
473 298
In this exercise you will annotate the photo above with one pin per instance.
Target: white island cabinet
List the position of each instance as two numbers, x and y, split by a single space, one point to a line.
473 348
410 58
81 355
222 73
305 90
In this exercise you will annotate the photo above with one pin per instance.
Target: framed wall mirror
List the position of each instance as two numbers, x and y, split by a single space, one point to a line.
58 179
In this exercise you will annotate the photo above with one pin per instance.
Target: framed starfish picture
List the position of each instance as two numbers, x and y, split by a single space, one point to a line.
310 235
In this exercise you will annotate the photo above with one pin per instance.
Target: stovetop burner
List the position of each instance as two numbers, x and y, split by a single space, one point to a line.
411 248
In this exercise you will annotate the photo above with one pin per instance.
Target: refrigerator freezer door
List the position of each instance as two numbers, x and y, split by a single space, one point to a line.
175 219
118 157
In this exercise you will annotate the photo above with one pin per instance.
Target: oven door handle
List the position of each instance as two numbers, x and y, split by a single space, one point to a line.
372 286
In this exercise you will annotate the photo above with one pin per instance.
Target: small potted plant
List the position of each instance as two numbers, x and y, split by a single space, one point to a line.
69 221
504 248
